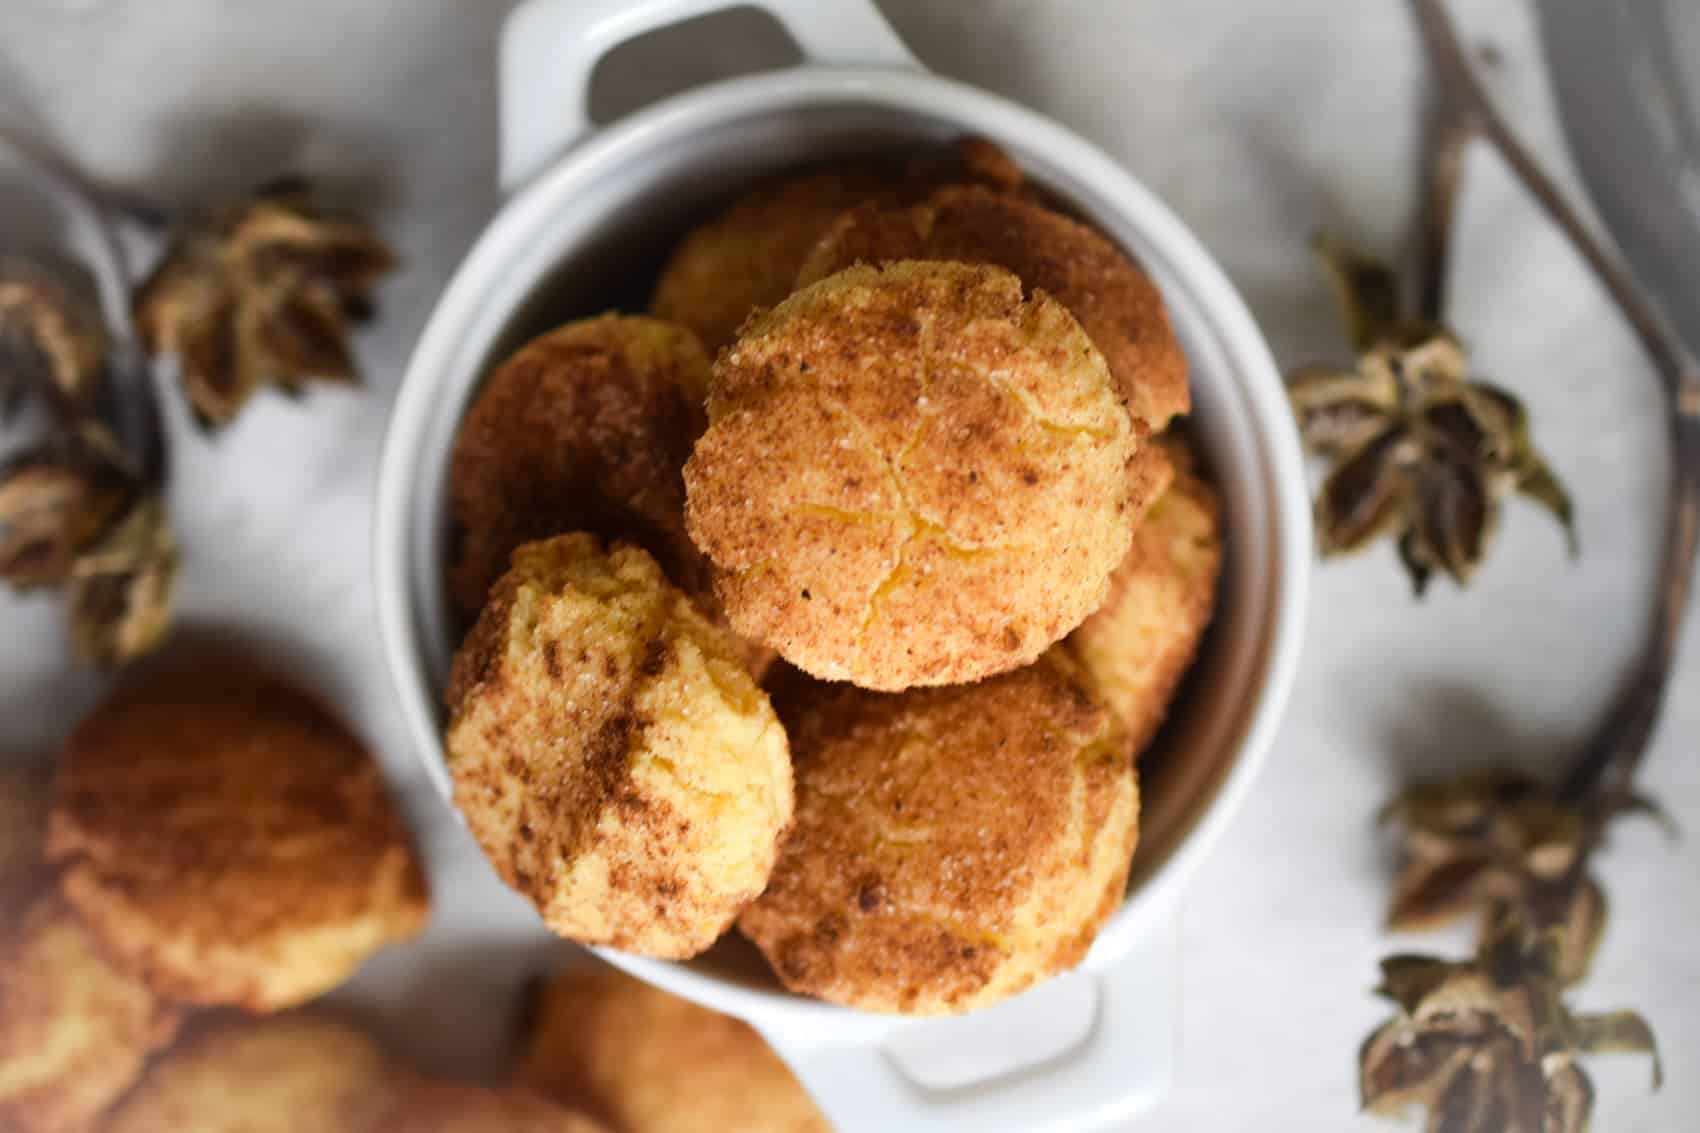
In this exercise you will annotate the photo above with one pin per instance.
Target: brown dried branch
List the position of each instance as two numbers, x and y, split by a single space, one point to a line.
133 410
1462 109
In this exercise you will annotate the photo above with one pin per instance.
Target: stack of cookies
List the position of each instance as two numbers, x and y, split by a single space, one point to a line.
833 600
212 851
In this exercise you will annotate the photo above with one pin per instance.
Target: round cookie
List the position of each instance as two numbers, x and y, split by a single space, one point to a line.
747 256
583 429
612 755
429 1106
1139 643
953 846
25 793
74 1031
279 1075
226 837
912 475
1115 301
650 1062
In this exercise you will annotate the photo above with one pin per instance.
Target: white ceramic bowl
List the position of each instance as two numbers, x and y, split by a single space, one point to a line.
589 217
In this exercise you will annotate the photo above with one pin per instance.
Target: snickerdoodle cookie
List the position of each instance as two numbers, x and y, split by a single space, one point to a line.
953 846
431 1106
912 475
225 836
747 256
612 756
25 792
585 428
1115 301
74 1030
650 1062
1140 642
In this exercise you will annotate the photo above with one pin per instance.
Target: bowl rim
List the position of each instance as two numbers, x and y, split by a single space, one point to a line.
504 239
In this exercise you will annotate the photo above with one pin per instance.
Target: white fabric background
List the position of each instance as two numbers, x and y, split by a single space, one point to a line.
1258 123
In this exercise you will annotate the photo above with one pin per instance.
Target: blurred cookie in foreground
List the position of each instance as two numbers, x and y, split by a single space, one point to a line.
227 838
953 846
747 257
312 1072
611 754
912 475
1116 302
291 1072
585 428
1139 644
650 1062
429 1106
25 793
74 1030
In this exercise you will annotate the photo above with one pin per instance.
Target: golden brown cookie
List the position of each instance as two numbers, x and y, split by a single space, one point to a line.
611 755
226 837
428 1106
583 429
293 1073
953 846
1139 643
1115 301
25 793
74 1031
912 475
650 1062
747 257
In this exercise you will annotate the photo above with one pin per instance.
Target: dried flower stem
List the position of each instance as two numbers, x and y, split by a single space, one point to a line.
1462 111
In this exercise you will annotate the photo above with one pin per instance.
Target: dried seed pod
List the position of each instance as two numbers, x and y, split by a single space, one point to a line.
1421 452
262 294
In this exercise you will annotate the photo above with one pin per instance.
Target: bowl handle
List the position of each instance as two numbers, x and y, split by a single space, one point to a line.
1120 1069
550 47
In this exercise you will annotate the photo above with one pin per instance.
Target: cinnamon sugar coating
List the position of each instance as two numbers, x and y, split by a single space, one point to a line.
585 428
1139 643
651 1062
74 1030
611 754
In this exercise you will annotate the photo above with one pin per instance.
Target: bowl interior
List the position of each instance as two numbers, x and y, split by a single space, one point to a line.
591 236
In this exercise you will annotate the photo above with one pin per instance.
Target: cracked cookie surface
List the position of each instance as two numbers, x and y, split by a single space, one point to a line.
912 475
